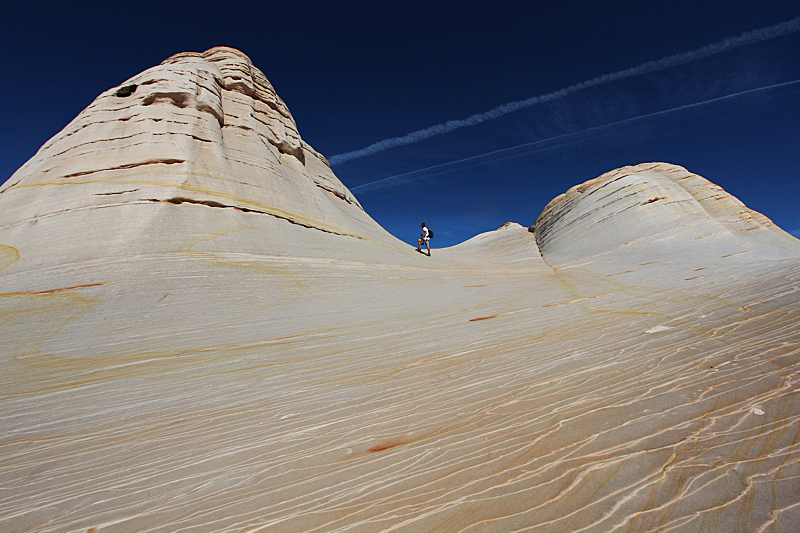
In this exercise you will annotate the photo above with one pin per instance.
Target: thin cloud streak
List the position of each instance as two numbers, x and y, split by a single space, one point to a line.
549 142
730 43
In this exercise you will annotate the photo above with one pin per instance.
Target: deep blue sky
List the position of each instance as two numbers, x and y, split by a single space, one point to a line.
358 72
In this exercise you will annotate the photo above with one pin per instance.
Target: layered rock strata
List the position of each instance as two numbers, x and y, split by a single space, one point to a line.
201 129
201 330
651 212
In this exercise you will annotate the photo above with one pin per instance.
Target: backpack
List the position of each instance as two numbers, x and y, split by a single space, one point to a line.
430 233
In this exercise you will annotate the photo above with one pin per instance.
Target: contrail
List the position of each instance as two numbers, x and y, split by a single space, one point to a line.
406 177
730 43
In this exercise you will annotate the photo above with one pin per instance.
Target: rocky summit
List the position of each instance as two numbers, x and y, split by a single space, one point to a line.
202 330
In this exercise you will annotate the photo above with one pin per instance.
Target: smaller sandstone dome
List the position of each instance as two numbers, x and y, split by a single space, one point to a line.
652 209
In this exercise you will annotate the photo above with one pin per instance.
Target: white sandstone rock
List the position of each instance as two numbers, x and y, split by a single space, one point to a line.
651 212
202 330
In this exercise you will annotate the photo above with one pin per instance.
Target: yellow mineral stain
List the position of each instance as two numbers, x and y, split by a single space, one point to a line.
186 247
27 439
8 255
626 313
573 301
56 373
231 199
28 320
290 281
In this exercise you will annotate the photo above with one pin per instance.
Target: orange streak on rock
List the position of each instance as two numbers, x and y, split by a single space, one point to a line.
74 287
483 318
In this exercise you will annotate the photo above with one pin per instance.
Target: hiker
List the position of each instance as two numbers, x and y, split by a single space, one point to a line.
425 238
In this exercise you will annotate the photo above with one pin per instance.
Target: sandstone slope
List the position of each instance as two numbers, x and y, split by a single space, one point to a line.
202 331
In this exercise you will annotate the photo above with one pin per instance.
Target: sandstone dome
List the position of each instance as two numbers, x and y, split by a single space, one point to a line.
653 211
201 129
201 329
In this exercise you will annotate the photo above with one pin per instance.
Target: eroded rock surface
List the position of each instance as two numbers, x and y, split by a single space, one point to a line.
203 129
653 211
201 330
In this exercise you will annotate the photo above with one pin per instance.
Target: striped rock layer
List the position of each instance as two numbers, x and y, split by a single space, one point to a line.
201 330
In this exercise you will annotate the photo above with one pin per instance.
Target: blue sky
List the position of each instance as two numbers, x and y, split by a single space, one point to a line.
356 73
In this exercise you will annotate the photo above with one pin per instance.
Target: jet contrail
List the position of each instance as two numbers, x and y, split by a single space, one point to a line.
406 177
748 37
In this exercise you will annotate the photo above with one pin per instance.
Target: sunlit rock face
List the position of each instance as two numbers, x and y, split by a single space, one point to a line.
201 330
655 212
202 129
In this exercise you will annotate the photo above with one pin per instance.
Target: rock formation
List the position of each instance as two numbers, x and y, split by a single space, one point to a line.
653 212
202 330
201 129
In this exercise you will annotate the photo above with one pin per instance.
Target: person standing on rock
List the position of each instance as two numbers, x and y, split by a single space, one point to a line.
424 238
